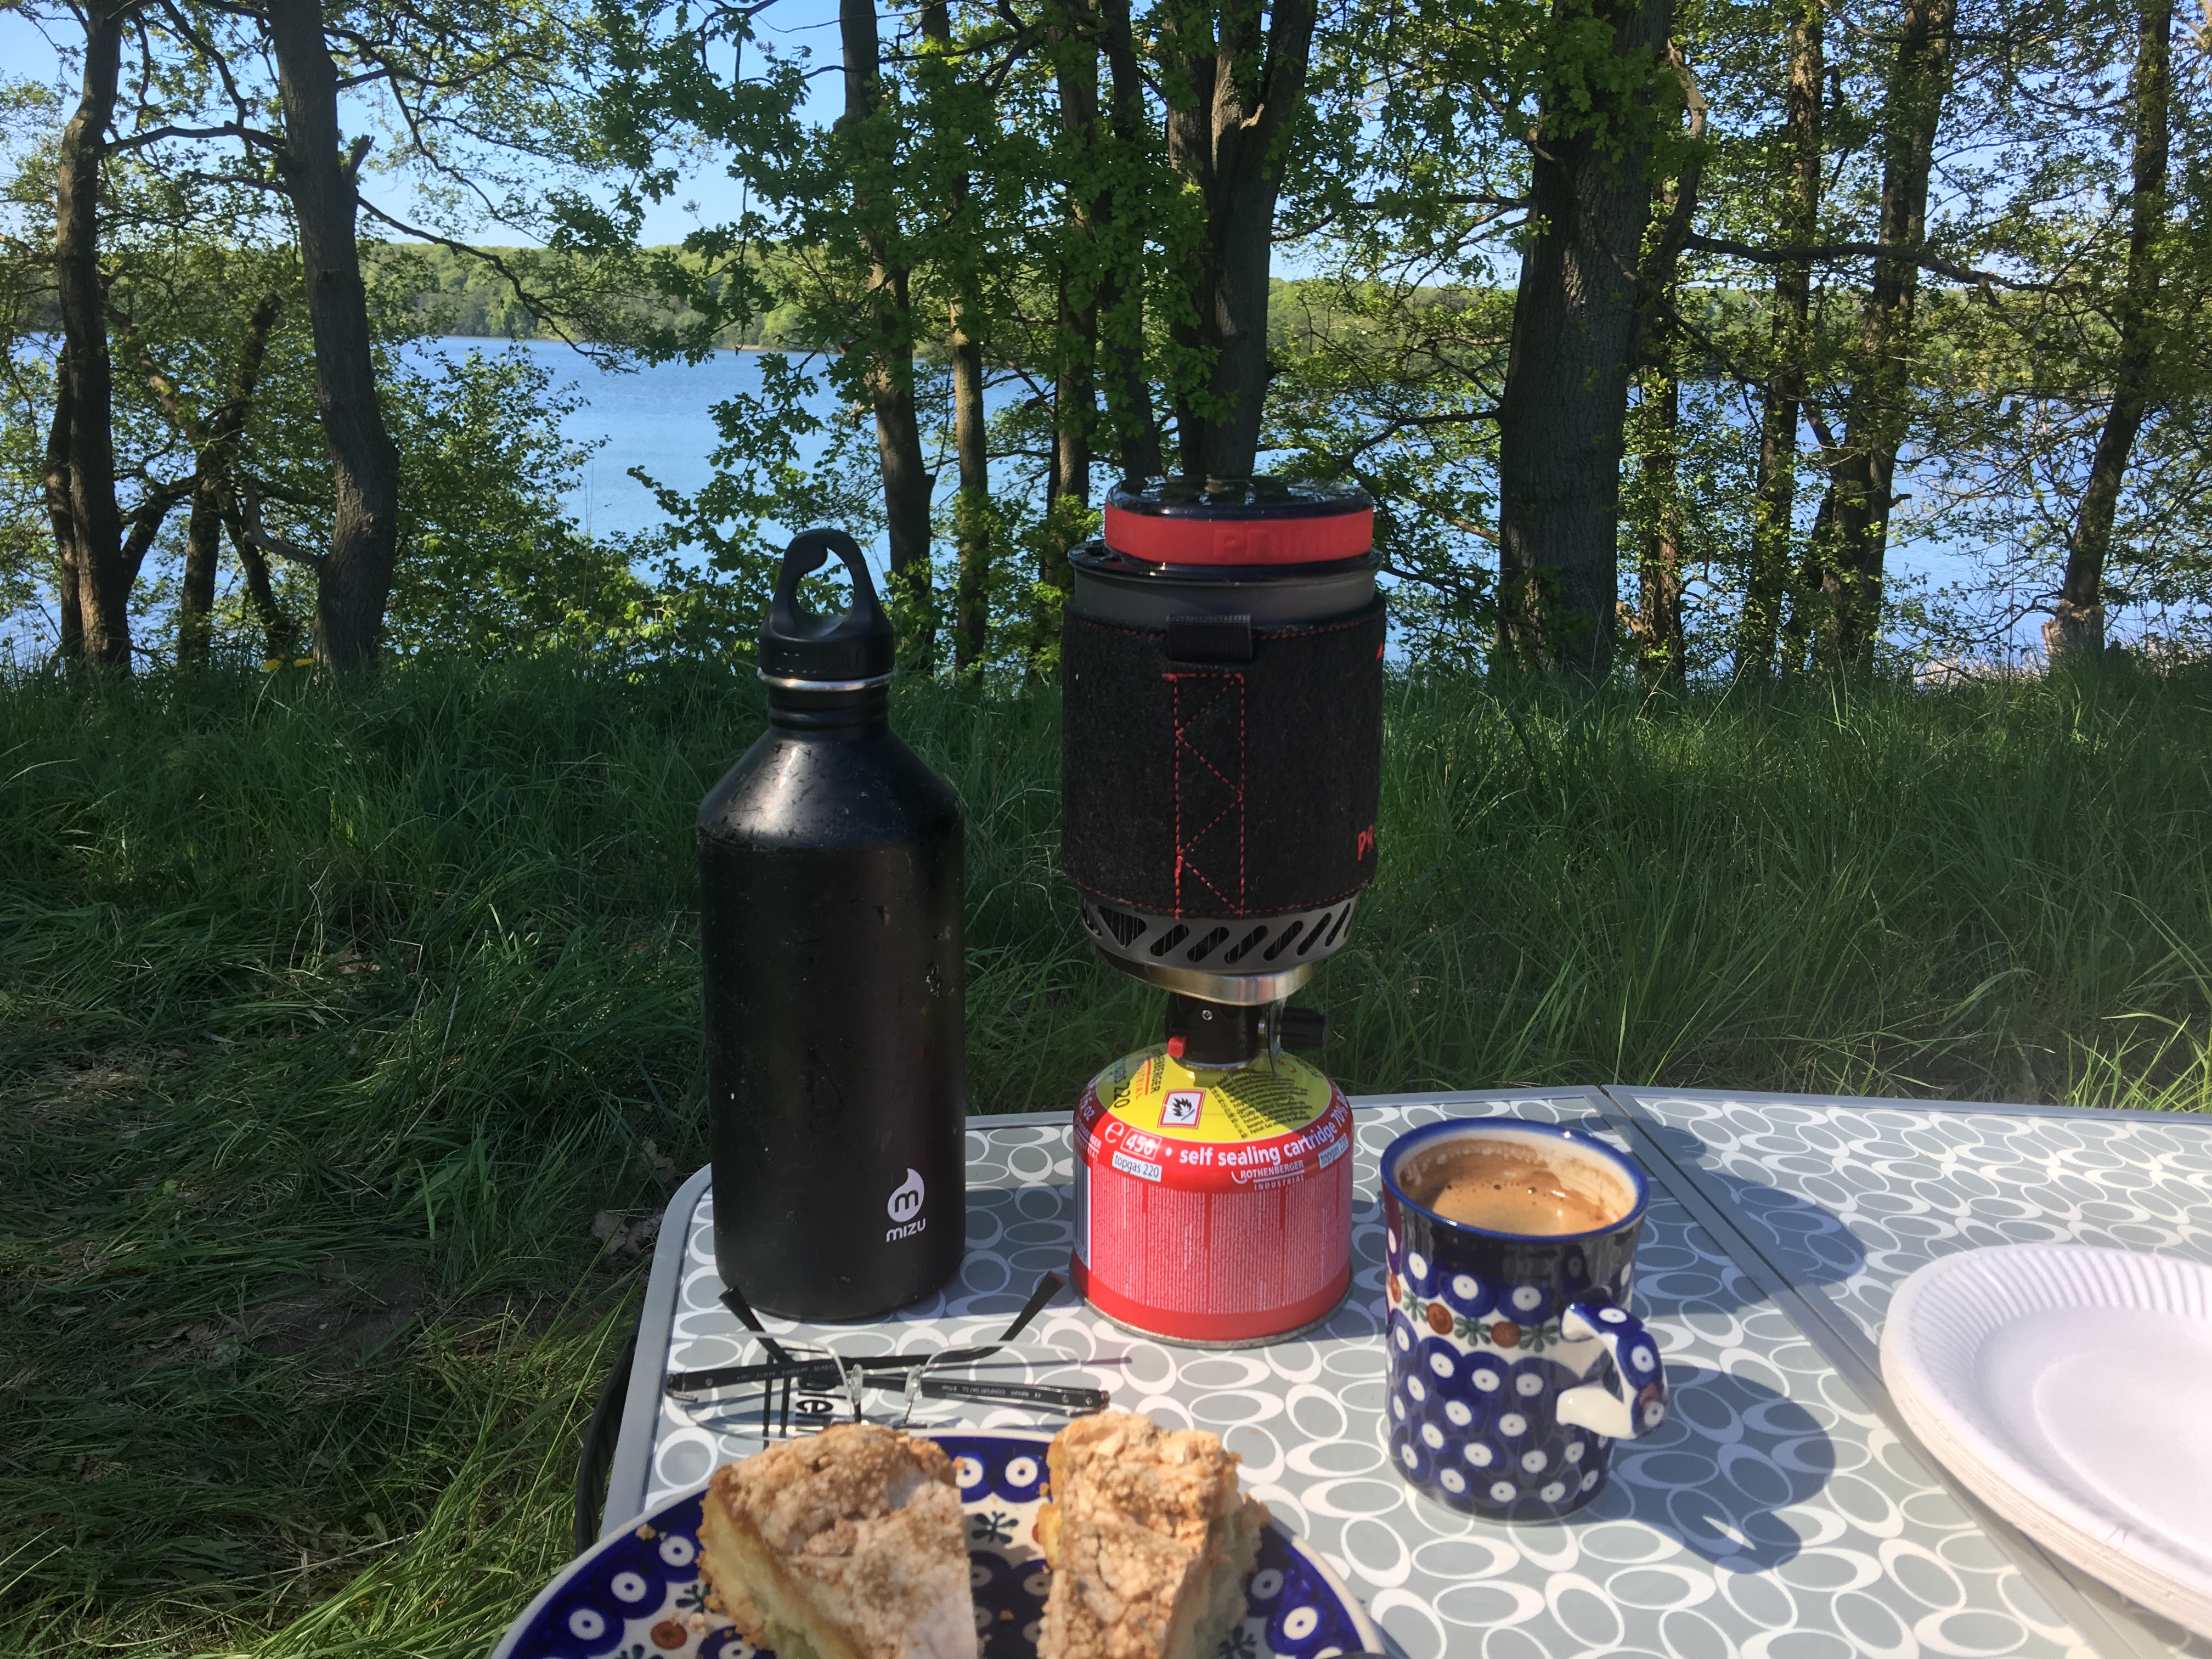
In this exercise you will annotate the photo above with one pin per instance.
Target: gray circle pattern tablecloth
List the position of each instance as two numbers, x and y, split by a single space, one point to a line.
1850 1197
1854 1196
1773 1517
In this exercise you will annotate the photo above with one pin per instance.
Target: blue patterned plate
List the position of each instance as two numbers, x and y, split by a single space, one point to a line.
637 1594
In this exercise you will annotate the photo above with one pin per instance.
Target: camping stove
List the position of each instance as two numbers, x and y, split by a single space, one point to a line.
1221 757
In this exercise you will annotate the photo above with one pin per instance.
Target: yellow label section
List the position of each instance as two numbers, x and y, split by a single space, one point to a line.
1147 1091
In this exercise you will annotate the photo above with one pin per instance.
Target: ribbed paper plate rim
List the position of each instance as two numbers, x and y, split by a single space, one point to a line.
1939 1321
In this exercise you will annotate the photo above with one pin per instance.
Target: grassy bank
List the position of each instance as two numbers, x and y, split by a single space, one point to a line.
329 1022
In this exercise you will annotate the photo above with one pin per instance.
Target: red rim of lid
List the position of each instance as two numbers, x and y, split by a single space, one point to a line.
1271 540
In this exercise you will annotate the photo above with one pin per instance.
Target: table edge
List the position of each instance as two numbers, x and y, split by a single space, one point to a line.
2003 1107
630 1473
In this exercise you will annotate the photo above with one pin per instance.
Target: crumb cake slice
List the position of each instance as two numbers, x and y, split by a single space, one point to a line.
848 1545
1151 1544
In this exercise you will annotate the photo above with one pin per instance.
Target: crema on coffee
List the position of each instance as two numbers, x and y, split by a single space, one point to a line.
1504 1186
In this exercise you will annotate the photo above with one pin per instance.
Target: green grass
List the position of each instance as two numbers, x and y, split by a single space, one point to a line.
330 1020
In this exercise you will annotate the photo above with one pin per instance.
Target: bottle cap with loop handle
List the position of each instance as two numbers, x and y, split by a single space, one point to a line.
801 650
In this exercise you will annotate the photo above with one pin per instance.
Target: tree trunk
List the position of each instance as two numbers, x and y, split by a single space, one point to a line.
1085 286
971 598
1075 410
1121 303
1775 496
61 519
1566 378
212 481
972 595
1075 401
146 524
1808 594
908 483
1661 648
1880 408
1084 274
1075 316
2075 631
1243 89
279 639
889 342
196 597
356 576
1661 651
86 390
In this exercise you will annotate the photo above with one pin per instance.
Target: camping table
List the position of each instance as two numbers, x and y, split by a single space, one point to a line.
1781 1512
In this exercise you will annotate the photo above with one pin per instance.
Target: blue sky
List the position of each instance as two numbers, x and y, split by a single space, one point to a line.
25 49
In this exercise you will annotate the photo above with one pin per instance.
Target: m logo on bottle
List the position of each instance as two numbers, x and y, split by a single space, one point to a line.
905 1208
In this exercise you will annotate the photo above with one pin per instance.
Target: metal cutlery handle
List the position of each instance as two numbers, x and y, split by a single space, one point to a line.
809 1375
1049 1395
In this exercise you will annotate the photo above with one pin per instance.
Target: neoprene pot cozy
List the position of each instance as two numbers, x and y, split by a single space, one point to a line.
1222 730
830 902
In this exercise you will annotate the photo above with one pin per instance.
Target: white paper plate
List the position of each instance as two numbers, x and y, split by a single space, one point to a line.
2070 1389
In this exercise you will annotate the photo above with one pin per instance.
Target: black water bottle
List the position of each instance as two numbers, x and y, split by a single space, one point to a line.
829 930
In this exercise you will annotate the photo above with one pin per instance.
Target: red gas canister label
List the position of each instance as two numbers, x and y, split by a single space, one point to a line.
1213 1206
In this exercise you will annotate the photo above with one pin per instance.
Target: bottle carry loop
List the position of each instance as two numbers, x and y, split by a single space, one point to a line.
800 651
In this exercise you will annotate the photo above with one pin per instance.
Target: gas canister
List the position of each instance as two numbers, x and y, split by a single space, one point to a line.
1213 1207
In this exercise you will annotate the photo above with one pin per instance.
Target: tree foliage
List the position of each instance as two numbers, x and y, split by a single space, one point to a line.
1688 312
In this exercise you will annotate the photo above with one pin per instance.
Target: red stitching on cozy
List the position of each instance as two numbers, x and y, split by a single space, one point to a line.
1238 787
1209 830
1181 728
1200 876
1211 821
1175 748
1209 707
1206 760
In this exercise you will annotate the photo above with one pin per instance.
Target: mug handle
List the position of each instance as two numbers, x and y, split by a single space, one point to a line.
1635 1402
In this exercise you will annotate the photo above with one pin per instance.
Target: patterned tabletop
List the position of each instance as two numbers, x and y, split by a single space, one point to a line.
1846 1198
1775 1516
1853 1195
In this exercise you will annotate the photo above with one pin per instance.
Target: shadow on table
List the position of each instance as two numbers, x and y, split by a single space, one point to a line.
1731 1456
1811 1245
1016 1235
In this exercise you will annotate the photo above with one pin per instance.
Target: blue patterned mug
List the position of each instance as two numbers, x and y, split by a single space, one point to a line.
1514 1362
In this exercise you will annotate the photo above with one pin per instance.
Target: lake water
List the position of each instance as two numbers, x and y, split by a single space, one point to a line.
659 418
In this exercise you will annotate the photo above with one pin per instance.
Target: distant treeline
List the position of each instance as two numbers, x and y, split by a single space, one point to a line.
1432 328
454 293
457 294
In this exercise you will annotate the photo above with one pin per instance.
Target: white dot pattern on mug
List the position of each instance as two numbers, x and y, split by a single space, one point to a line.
1769 1499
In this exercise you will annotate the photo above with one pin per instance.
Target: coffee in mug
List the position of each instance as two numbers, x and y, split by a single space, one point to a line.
1513 1361
1504 1187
